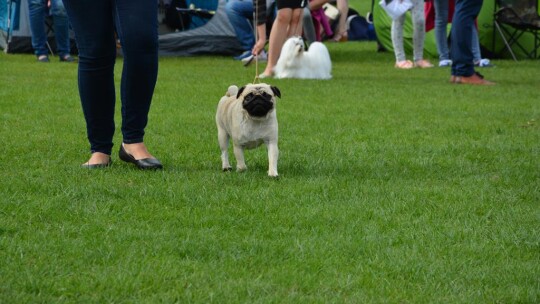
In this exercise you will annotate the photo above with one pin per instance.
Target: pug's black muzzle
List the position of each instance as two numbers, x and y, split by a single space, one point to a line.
258 105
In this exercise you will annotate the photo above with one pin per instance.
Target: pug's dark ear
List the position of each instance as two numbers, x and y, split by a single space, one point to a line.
276 91
240 91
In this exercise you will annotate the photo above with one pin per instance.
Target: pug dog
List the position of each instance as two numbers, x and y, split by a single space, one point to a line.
248 116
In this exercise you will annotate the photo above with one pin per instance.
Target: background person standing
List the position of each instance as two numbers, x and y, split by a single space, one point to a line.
463 29
38 10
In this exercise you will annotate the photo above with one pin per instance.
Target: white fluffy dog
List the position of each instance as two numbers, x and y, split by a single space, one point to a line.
295 62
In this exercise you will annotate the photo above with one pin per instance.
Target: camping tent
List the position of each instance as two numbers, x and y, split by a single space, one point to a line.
383 25
14 26
15 35
216 36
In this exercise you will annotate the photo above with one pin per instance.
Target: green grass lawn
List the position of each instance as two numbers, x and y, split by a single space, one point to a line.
395 187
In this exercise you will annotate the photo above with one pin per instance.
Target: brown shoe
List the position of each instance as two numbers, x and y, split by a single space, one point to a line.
476 79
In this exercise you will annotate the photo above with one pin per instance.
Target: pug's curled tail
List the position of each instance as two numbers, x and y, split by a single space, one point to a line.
232 91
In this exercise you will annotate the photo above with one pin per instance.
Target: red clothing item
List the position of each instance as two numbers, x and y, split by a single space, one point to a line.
429 12
320 20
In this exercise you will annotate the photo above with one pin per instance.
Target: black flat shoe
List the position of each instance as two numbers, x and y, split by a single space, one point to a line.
97 166
144 164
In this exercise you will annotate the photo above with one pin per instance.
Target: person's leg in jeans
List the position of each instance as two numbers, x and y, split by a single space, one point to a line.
477 53
61 28
139 74
462 33
240 13
37 9
462 37
475 44
441 35
97 55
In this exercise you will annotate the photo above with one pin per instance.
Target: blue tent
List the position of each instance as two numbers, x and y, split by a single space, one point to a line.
15 36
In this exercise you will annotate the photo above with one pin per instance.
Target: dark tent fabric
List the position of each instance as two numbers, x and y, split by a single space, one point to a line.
216 36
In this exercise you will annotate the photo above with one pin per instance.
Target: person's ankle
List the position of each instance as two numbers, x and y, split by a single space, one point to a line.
137 150
98 158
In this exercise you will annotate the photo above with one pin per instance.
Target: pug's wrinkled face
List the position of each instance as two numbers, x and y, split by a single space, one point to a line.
258 100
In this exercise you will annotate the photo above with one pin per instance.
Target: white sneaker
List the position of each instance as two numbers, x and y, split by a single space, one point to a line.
261 57
445 63
483 63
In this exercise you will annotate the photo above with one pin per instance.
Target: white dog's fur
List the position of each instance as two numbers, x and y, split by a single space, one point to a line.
247 132
295 62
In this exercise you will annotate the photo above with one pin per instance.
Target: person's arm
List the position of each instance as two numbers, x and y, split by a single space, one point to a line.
261 39
259 8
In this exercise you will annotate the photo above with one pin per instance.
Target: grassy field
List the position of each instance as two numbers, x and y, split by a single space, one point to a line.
395 187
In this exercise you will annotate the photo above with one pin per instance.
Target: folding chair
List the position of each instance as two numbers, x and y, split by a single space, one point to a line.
514 18
49 28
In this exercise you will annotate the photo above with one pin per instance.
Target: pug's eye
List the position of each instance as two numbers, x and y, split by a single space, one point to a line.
249 96
266 95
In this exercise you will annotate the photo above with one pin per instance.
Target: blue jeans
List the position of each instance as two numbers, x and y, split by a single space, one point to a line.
477 55
240 13
441 21
463 29
441 37
95 23
37 11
